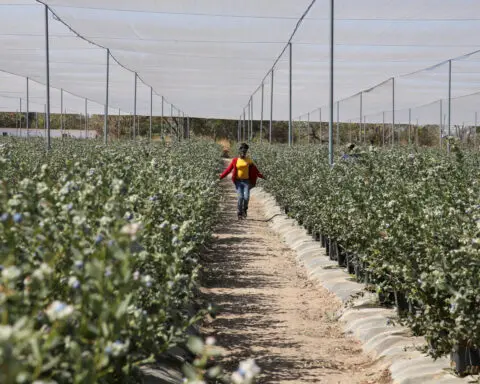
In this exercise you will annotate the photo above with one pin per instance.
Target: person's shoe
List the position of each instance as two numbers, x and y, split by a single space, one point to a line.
240 216
244 213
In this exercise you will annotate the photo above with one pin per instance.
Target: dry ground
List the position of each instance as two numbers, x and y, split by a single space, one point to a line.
270 311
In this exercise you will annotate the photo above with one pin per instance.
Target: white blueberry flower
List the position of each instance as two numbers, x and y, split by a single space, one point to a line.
59 311
11 273
131 229
6 331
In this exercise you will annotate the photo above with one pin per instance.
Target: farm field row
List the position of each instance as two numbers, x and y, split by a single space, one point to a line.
99 255
406 222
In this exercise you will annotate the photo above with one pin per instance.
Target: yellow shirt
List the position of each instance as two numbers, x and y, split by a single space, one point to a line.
242 168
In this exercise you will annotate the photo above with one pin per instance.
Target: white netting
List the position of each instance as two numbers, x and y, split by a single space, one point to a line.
208 57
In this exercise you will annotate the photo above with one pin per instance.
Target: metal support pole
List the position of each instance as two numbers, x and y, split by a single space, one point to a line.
239 129
251 118
409 125
135 107
162 127
61 112
261 115
475 132
393 111
271 111
441 125
338 123
244 133
330 123
290 97
28 108
171 118
151 114
180 136
105 116
185 136
47 60
361 117
20 115
118 124
86 118
449 101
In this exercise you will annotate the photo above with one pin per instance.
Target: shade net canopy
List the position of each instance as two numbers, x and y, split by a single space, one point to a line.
209 58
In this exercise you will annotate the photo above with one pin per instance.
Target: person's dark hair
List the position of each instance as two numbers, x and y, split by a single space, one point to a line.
243 147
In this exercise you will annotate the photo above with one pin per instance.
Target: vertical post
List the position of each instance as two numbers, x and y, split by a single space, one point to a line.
330 124
118 124
151 114
105 122
251 118
239 129
338 123
86 118
188 126
61 112
361 117
180 136
271 111
162 133
290 97
28 108
449 101
135 106
20 115
393 111
409 124
475 132
47 60
441 125
36 122
261 115
245 126
171 118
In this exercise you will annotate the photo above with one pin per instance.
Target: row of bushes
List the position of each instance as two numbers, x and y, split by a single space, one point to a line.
98 254
410 220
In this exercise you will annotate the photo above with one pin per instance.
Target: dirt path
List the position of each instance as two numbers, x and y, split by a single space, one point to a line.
271 312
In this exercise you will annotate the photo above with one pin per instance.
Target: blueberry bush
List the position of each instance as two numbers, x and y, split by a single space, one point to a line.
99 255
410 220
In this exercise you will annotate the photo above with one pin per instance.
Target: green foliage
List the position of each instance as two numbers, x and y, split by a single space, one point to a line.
411 220
98 254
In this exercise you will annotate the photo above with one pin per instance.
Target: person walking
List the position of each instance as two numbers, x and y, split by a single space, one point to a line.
244 176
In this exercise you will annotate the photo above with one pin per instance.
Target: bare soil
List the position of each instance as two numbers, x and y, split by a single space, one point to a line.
271 312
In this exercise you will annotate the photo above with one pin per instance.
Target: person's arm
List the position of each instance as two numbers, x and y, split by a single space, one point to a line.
257 172
228 170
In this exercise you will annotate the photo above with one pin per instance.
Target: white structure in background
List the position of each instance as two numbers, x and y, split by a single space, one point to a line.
32 132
